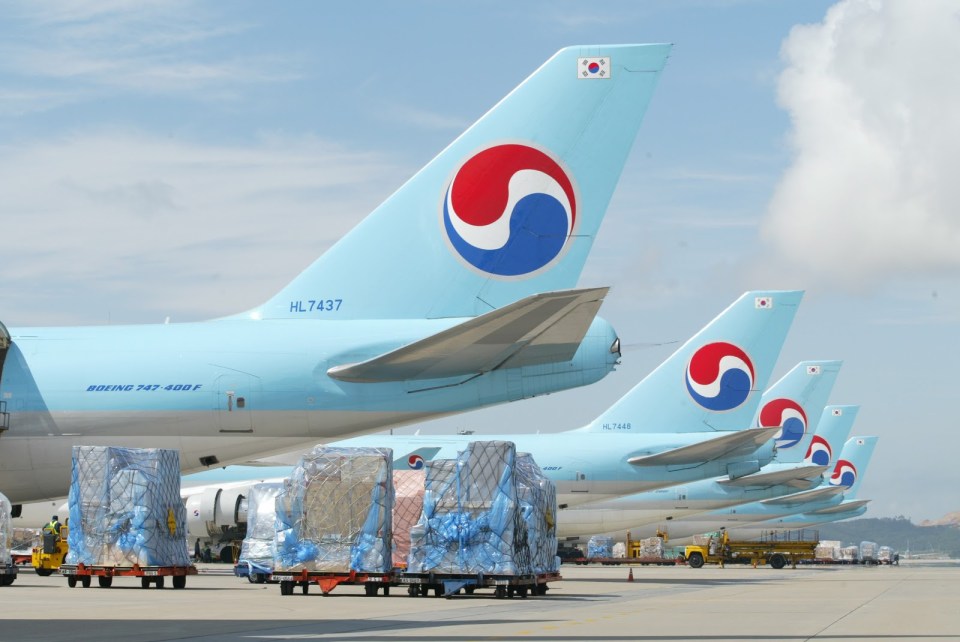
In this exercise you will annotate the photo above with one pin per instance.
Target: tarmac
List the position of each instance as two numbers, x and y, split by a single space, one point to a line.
913 601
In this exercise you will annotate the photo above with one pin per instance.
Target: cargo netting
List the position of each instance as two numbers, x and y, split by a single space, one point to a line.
471 522
334 514
6 530
125 508
259 547
538 508
408 488
600 546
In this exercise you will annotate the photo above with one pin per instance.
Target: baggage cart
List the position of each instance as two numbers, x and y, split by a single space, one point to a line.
329 580
83 574
450 584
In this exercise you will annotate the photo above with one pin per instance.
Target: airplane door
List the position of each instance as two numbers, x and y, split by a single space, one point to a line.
581 484
237 396
680 500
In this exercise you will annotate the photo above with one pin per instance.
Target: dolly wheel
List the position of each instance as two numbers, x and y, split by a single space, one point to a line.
105 581
179 581
72 581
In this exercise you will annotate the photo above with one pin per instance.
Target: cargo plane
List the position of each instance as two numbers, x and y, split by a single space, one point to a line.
453 294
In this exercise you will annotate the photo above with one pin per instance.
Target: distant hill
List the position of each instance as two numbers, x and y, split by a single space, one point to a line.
950 519
898 532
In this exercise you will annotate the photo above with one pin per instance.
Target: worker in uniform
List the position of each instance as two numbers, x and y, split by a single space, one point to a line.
53 527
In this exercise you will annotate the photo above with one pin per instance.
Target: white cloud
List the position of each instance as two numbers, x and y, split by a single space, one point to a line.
872 191
145 226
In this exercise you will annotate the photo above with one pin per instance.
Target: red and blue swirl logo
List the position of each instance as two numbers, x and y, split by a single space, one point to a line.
844 474
819 453
510 210
415 462
720 376
791 418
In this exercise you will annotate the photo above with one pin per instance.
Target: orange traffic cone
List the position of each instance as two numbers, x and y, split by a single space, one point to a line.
630 576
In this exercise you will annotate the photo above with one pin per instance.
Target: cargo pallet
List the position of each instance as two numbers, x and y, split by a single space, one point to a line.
83 574
8 574
450 584
329 580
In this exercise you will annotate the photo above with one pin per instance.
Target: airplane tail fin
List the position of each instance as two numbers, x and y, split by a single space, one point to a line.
507 210
794 403
712 381
852 464
835 424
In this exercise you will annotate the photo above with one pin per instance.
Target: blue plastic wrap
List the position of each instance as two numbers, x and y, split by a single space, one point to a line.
125 508
259 547
538 506
600 546
334 512
471 521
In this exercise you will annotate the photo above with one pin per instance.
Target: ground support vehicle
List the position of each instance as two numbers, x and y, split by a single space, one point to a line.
777 549
83 574
255 573
327 581
48 557
8 573
450 584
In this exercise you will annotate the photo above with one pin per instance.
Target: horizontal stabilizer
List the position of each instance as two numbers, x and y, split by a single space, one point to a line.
821 492
851 505
543 328
777 477
731 444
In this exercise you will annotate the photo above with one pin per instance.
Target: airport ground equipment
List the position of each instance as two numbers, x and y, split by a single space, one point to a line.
83 574
329 580
869 553
642 552
255 573
8 573
49 556
450 584
775 548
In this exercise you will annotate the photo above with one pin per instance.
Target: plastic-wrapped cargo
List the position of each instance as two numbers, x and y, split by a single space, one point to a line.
850 554
408 488
6 531
600 546
828 550
125 508
471 522
868 552
537 495
651 547
260 545
334 514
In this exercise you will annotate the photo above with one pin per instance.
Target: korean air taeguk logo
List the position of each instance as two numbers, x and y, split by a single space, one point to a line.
719 376
510 210
787 414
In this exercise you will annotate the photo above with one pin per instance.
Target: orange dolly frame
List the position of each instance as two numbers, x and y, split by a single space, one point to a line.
83 574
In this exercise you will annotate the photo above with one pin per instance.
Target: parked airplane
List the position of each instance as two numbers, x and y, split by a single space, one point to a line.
748 520
645 453
794 397
697 438
451 295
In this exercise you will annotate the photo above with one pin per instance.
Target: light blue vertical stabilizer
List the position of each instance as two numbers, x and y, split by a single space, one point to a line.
852 464
834 427
795 403
509 209
713 381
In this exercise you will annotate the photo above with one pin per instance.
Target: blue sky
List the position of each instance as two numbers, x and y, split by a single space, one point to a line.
186 159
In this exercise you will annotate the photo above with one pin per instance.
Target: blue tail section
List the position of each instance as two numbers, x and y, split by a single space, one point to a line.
712 381
795 403
509 209
852 464
834 427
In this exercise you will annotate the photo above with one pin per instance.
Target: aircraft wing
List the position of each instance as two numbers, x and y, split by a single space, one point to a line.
807 496
800 473
731 444
853 504
543 328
